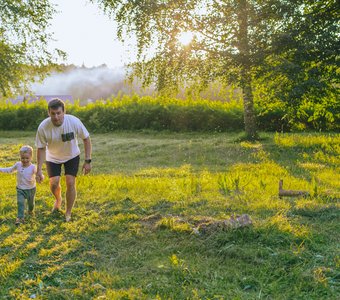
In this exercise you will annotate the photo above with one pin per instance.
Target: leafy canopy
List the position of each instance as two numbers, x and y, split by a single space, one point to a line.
306 64
295 39
24 39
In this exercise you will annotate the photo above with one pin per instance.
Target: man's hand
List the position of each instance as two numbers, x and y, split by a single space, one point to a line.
86 168
39 177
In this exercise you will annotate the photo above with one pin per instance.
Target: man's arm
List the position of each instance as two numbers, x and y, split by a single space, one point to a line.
41 157
88 153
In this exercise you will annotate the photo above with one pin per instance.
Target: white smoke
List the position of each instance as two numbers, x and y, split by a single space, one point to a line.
85 83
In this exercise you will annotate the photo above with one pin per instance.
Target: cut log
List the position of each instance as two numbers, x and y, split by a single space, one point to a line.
290 193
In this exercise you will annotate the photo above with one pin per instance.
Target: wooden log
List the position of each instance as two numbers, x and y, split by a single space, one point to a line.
290 193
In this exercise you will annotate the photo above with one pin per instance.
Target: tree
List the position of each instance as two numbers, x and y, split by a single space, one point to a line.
231 39
23 43
303 71
306 61
234 41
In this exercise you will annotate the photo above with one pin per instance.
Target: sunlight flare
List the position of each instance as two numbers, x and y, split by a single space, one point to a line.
186 37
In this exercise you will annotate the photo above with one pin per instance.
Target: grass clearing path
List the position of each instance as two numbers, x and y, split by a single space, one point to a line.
135 232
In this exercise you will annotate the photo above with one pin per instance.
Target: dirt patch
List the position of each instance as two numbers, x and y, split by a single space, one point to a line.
201 225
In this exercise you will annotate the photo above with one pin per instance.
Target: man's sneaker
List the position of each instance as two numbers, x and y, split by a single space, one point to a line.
68 218
19 221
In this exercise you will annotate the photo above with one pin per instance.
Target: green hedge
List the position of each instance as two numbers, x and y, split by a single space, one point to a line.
22 116
162 113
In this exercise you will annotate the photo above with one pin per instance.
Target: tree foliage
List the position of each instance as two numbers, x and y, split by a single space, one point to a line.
306 62
236 42
24 38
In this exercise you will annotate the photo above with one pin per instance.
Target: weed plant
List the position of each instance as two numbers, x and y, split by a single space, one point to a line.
133 230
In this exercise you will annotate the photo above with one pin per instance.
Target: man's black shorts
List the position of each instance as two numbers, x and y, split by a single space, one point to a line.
71 167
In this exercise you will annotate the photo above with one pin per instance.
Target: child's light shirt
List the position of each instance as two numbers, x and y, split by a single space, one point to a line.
50 136
25 175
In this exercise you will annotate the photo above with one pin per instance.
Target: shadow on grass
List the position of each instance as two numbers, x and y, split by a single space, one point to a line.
105 248
41 256
291 157
324 214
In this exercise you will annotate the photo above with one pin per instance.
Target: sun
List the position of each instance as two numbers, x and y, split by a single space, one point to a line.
186 37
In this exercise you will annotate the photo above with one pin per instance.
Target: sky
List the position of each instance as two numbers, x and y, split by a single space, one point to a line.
87 35
89 38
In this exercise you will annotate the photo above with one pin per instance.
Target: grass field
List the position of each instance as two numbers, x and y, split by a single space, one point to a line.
147 221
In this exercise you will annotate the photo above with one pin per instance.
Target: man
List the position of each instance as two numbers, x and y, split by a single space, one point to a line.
57 143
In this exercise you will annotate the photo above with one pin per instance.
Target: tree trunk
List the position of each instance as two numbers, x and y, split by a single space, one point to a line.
245 66
249 112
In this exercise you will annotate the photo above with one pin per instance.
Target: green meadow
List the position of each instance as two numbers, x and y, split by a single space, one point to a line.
151 221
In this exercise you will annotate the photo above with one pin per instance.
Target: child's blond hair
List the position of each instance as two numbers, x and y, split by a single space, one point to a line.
26 149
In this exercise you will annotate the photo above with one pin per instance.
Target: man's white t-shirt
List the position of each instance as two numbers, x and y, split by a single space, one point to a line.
25 175
61 142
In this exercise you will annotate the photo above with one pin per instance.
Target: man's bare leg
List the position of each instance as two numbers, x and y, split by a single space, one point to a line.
56 191
71 194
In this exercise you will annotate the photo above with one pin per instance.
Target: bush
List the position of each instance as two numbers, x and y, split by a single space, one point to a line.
22 116
163 113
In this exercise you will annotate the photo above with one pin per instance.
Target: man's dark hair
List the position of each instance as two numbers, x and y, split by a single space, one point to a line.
56 103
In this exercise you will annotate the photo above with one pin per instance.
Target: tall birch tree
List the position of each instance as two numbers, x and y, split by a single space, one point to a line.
232 41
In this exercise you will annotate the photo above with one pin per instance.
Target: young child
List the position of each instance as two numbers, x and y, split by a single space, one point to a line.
26 185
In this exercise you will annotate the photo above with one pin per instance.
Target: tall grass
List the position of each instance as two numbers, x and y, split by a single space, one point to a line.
134 230
164 113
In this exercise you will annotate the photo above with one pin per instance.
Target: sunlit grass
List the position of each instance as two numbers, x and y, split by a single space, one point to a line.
9 266
56 248
307 140
132 234
282 222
